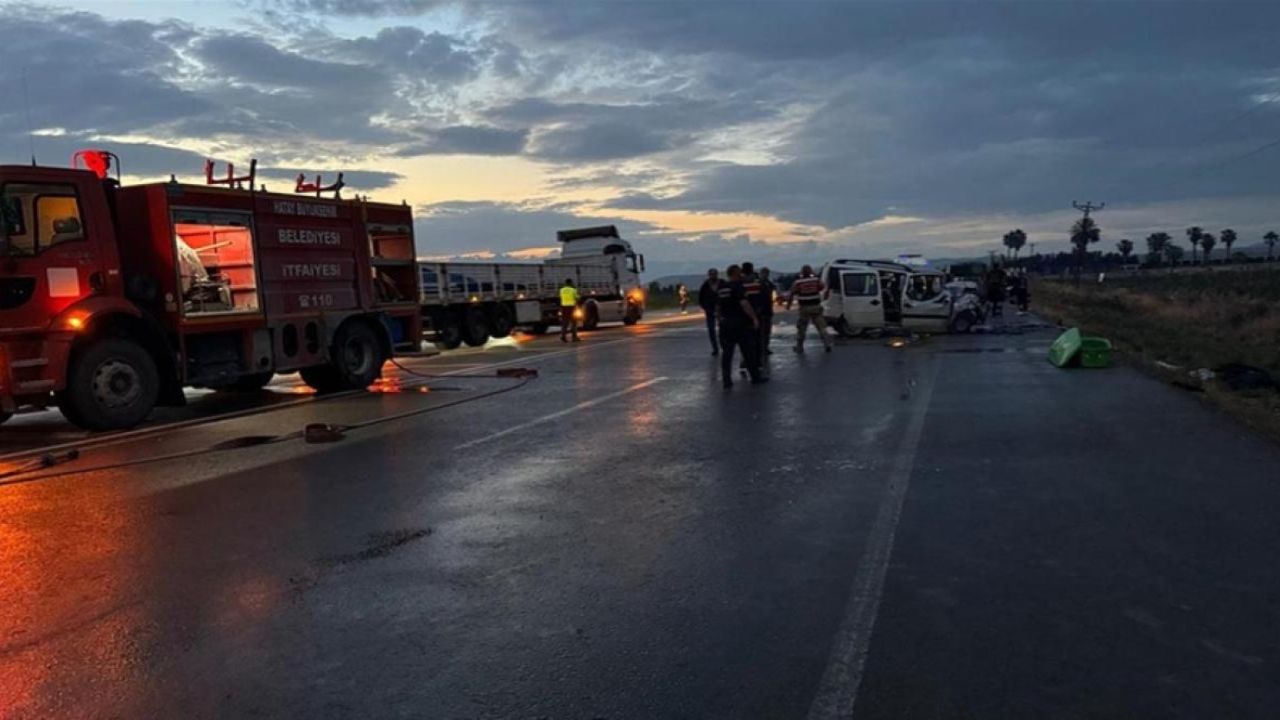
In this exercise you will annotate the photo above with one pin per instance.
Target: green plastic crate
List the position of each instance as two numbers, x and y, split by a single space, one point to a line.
1095 352
1072 349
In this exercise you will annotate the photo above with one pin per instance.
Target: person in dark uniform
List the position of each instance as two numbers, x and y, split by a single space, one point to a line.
751 288
764 310
707 300
739 327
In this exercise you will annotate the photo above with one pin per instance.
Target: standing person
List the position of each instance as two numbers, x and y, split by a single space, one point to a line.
807 291
708 297
568 310
683 294
764 310
739 327
753 292
997 282
1022 290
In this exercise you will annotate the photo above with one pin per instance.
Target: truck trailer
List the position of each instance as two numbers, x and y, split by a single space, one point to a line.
473 301
113 299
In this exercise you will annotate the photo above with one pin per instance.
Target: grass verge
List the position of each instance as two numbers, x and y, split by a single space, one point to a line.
1202 320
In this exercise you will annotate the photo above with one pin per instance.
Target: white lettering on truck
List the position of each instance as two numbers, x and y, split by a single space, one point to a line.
311 270
296 236
290 207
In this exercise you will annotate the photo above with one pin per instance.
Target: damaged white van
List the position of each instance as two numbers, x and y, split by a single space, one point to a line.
874 294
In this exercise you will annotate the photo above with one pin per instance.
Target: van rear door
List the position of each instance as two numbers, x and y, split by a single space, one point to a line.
860 299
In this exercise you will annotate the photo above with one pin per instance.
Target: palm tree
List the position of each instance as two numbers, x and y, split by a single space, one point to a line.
1228 238
1125 247
1194 233
1014 240
1156 244
1207 243
1271 237
1174 253
1084 233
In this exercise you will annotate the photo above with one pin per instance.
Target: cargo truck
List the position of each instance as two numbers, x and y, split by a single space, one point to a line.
473 301
113 299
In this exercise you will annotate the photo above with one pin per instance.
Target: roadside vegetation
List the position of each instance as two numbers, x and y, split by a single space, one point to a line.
1188 321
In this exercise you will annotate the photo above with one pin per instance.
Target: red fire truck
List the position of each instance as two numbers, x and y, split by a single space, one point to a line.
113 298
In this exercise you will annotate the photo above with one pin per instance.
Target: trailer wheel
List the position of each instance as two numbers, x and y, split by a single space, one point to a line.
450 333
112 384
591 317
631 320
503 320
475 330
538 329
355 361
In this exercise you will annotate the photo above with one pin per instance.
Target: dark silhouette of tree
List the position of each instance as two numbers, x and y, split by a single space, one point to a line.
1207 243
1194 233
1271 237
1157 243
1174 253
1014 240
1228 238
1084 233
1125 247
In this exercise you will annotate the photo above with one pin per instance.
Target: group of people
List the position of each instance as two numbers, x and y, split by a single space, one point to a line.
739 315
999 286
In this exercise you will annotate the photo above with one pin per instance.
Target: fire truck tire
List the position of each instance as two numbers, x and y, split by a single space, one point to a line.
591 317
475 331
355 361
503 321
450 332
112 384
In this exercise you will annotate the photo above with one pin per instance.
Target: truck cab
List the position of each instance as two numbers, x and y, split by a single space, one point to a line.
113 299
873 294
604 246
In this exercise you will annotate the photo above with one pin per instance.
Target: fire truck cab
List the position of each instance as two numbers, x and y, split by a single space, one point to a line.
113 298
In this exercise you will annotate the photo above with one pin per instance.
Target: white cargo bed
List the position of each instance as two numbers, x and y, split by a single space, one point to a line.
453 283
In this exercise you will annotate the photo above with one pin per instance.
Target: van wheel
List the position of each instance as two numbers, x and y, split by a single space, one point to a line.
963 322
842 328
450 333
591 318
475 331
355 361
112 384
503 320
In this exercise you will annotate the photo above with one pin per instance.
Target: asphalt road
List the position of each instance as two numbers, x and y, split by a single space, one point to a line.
948 529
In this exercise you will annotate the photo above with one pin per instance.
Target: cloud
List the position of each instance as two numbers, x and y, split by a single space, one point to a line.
468 140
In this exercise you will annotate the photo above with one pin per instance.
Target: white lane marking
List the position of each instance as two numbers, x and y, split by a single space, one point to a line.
838 690
559 414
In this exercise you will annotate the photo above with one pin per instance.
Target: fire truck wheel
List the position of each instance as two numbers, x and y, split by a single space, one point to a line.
112 384
475 331
450 333
503 321
357 357
591 318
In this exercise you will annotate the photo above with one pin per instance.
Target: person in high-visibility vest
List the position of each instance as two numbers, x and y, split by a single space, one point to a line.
568 311
807 290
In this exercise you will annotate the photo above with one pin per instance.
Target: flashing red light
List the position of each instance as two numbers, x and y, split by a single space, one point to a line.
97 162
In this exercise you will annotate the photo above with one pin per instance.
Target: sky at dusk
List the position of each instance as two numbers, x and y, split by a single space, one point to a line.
709 132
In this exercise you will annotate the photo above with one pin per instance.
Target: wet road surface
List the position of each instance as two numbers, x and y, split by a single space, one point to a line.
950 529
